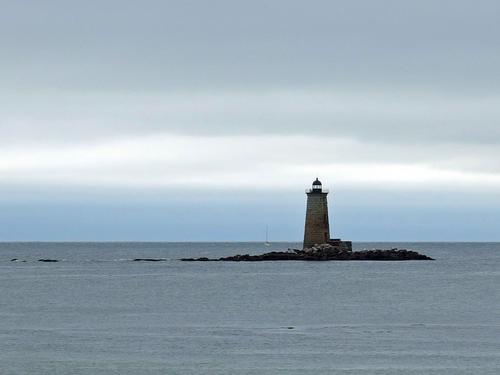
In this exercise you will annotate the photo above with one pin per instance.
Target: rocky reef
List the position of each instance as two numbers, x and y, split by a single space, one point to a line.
322 252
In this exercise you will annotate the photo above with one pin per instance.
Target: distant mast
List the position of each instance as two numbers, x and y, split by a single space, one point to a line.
267 236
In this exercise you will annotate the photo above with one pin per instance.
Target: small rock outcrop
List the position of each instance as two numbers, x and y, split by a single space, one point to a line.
322 252
149 260
48 260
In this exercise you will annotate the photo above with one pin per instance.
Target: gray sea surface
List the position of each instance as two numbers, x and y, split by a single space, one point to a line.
98 312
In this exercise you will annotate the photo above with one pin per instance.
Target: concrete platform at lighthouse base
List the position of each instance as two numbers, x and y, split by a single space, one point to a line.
336 244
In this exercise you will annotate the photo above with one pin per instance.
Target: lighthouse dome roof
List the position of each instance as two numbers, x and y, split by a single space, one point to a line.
317 182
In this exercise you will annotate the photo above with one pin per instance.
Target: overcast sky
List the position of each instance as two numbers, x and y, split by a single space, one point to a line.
206 120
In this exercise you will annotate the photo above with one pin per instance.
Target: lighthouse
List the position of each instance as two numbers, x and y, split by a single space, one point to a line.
317 225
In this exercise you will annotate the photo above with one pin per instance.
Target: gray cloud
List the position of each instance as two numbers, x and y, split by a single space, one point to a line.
445 45
382 117
385 71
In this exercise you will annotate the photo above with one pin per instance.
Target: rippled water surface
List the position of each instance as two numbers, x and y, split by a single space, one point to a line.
97 312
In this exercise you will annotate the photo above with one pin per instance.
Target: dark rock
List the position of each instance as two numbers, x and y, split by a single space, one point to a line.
149 260
48 260
323 252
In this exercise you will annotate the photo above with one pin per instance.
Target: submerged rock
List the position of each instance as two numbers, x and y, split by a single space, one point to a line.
323 252
202 259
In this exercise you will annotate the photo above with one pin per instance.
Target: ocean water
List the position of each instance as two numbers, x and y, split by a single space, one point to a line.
98 312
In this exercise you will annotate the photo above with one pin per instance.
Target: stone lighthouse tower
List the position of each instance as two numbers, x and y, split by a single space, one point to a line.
317 226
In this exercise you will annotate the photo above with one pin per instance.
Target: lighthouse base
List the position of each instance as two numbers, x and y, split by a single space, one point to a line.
335 244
